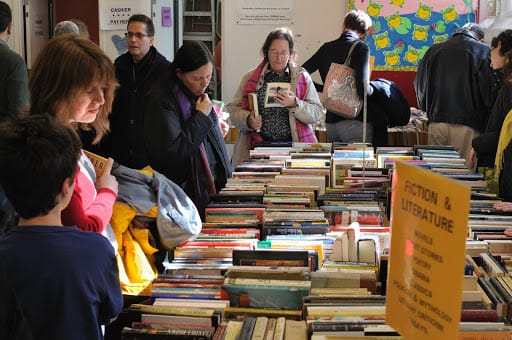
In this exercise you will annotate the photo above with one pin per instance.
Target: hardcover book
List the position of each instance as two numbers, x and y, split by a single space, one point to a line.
252 100
264 296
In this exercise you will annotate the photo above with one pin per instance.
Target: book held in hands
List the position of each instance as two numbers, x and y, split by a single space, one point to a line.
272 91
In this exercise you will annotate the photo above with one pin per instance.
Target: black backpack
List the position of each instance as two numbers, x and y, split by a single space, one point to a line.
387 98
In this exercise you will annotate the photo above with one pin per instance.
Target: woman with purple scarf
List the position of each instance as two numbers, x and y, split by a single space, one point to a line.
299 108
182 135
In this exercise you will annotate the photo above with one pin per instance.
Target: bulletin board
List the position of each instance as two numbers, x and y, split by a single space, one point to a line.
403 30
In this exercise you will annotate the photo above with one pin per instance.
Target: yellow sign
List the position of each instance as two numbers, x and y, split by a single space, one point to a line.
426 263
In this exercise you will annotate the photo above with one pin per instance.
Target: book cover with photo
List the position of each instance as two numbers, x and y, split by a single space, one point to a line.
272 91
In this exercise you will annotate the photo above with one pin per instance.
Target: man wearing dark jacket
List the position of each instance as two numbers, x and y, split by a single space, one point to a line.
355 28
136 71
454 85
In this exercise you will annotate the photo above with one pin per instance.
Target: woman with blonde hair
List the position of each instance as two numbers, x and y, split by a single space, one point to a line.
73 80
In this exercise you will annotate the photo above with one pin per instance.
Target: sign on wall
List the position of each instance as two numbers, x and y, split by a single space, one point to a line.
265 12
403 30
114 14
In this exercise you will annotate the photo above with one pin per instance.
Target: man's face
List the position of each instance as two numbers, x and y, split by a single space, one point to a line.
138 42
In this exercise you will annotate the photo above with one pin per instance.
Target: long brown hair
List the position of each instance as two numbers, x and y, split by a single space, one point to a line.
67 64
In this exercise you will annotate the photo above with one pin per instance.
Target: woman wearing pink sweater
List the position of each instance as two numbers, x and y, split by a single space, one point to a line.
73 80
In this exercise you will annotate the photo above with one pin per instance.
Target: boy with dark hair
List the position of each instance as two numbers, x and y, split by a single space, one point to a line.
66 279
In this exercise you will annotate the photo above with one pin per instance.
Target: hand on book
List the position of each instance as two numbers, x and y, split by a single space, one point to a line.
106 180
286 98
254 122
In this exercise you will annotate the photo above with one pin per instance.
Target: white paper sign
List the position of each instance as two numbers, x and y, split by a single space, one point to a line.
265 12
114 14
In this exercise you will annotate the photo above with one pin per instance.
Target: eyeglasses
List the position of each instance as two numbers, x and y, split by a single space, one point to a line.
136 35
275 54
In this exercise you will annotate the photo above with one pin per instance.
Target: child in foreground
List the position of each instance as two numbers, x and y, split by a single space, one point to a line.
66 279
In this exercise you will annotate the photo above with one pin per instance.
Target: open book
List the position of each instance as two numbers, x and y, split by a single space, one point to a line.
272 90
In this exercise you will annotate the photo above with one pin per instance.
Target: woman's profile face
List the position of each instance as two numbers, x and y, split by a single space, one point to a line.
279 55
197 81
88 102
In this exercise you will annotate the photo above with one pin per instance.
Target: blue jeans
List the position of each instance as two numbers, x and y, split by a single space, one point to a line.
348 131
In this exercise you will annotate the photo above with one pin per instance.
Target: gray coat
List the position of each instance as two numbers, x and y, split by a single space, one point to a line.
13 82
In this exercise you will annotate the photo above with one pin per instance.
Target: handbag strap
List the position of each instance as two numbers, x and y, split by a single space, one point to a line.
347 60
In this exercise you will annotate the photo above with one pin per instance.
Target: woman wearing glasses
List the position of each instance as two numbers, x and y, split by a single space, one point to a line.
290 111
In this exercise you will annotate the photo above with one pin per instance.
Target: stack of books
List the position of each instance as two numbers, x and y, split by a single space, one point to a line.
348 155
167 321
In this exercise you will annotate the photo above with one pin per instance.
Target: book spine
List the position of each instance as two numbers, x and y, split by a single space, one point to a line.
269 331
279 330
168 310
266 282
233 329
129 333
259 328
247 328
479 315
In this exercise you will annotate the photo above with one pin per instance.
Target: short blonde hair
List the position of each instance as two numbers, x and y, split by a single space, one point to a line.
67 64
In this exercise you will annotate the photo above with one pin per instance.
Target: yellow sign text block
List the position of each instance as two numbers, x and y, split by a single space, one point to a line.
426 264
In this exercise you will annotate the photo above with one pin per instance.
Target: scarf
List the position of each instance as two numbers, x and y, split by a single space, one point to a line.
503 142
304 131
202 180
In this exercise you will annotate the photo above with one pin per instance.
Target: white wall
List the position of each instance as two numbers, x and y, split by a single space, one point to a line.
164 36
314 23
17 38
37 27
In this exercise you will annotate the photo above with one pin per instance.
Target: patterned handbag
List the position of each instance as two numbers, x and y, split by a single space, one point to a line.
340 94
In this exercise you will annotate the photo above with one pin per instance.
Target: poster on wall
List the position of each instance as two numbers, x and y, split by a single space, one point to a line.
403 30
114 14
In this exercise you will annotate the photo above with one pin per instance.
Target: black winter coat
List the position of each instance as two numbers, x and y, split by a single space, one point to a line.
171 143
486 144
124 143
454 82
